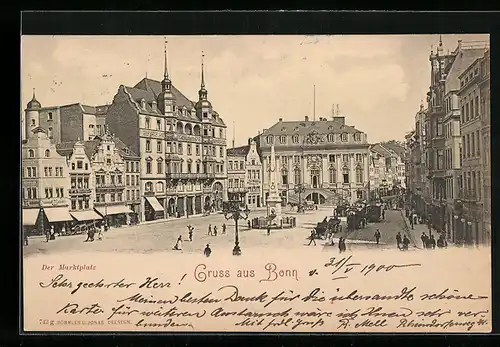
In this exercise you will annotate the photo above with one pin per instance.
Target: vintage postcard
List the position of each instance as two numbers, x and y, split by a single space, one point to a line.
272 184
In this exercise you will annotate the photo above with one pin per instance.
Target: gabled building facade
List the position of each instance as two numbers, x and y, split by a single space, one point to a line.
182 146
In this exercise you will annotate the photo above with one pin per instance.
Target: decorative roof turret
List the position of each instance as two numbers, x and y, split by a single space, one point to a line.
34 104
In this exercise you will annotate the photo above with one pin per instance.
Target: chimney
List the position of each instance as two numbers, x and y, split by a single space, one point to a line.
339 120
306 119
281 119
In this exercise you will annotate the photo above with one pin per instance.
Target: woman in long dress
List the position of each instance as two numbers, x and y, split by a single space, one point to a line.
178 244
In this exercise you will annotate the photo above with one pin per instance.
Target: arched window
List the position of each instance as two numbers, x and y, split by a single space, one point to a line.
31 153
282 139
188 129
344 137
159 187
295 138
331 137
345 174
149 187
297 176
359 174
180 128
357 137
270 139
47 153
196 130
333 175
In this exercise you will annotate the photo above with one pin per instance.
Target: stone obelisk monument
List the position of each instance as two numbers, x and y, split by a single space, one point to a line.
274 199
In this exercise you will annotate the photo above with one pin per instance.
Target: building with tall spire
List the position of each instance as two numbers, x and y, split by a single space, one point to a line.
181 143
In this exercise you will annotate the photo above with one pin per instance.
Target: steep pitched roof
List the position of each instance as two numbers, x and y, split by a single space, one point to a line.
462 61
305 127
149 90
153 89
242 150
395 147
381 150
66 148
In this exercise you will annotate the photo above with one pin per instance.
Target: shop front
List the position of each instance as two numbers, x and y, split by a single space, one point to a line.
153 210
57 217
115 215
30 218
86 219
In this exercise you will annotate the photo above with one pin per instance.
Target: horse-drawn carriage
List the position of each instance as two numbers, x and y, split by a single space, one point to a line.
374 213
328 227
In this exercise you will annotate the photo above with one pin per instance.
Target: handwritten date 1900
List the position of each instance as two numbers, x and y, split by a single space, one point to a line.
345 265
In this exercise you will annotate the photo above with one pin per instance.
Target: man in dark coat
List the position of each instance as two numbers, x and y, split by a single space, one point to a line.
424 239
377 236
406 242
207 251
399 239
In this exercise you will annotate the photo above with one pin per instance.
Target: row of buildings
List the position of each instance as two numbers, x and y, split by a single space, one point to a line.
448 154
156 154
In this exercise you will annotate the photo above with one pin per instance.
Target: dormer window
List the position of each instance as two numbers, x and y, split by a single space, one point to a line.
205 114
331 137
49 117
344 137
270 139
282 139
295 139
296 129
357 137
283 129
47 153
330 127
143 103
31 153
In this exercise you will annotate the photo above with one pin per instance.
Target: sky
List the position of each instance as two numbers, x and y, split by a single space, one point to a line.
378 81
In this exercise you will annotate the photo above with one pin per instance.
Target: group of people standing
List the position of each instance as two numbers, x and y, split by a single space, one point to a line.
429 242
402 242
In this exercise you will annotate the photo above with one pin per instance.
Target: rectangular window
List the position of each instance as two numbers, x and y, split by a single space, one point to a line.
478 147
158 146
158 124
345 157
346 177
148 145
473 145
127 180
284 178
148 167
198 149
189 149
179 148
468 146
79 164
358 157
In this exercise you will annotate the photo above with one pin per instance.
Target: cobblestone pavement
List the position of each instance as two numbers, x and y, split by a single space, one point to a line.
161 236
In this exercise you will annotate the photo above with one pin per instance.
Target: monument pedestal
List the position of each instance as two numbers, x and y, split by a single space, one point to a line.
274 209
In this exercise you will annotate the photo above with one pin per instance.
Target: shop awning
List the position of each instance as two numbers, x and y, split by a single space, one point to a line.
85 215
111 210
57 214
155 204
30 216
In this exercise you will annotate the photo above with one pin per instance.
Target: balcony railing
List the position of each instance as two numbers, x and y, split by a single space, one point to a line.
80 191
108 203
180 176
110 186
237 190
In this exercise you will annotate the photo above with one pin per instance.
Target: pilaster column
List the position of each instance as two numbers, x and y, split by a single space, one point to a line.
324 170
338 158
304 173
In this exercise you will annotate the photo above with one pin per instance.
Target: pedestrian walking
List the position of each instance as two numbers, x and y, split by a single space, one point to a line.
432 242
210 230
383 214
399 240
406 242
312 237
411 222
424 240
215 230
224 228
207 251
178 244
342 246
99 235
268 230
190 233
377 236
25 239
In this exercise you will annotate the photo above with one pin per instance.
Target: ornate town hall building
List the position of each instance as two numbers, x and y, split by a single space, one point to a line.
326 160
182 145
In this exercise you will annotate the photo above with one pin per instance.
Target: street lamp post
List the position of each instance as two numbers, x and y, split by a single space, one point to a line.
234 210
